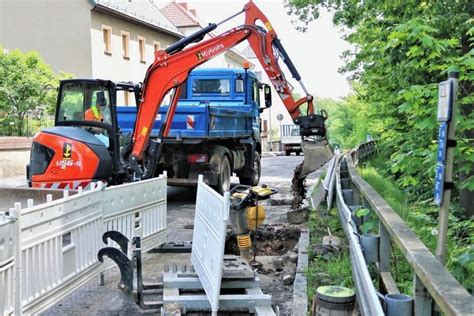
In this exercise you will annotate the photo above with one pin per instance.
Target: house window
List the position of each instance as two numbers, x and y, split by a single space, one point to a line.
141 48
126 45
107 38
156 45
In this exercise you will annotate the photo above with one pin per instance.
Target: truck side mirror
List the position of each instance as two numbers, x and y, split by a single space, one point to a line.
268 95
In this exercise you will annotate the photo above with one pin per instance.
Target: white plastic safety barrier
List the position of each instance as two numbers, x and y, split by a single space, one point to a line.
57 242
210 223
7 263
137 210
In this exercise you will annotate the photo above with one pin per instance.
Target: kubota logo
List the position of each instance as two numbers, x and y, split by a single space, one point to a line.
209 52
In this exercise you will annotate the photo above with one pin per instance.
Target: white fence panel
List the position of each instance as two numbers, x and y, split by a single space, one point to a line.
212 212
59 242
138 209
7 264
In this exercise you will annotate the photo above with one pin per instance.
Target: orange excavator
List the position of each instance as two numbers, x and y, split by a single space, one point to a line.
77 151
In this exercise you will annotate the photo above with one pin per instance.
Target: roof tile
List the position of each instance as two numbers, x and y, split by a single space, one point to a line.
145 11
179 15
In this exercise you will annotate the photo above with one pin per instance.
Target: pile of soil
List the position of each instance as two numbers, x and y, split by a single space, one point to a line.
298 188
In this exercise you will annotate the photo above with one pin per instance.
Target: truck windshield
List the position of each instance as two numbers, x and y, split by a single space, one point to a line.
211 86
82 101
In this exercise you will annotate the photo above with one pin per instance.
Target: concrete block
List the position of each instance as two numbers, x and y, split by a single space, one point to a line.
278 263
293 257
288 279
298 216
280 199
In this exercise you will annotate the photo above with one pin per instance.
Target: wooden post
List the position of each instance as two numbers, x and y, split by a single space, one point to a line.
385 249
423 300
448 173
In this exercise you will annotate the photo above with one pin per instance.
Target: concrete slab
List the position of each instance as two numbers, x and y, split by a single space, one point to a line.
14 182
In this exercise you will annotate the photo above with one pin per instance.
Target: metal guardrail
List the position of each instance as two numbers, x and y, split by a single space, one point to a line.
369 303
324 188
431 279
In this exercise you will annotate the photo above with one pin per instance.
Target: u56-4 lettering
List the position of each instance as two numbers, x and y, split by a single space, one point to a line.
63 164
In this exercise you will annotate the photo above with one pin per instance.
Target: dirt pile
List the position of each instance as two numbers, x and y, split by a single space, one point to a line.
298 188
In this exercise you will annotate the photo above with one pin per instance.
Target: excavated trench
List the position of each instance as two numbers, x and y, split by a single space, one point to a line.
275 249
267 240
276 256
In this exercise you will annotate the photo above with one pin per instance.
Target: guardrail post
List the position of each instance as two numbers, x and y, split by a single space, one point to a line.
365 203
386 281
385 249
356 198
370 247
423 300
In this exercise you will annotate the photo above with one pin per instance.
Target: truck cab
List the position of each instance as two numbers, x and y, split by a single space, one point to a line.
215 129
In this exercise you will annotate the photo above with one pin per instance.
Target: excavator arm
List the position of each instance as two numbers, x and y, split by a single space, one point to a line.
267 49
172 66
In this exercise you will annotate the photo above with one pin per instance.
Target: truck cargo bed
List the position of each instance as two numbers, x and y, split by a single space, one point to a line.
197 120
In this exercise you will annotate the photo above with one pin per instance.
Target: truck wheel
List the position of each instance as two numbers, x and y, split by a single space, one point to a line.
298 153
287 152
223 184
256 172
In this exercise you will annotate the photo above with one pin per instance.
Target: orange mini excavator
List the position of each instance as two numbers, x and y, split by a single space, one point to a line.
84 147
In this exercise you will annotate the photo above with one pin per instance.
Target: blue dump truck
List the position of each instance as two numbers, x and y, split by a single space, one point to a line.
215 129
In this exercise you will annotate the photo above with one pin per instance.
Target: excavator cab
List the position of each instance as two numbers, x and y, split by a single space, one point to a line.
84 144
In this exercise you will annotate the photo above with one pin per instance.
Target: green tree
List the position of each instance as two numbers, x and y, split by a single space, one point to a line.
26 84
401 51
347 123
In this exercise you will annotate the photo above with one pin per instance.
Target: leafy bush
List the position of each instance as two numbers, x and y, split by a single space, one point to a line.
27 85
422 220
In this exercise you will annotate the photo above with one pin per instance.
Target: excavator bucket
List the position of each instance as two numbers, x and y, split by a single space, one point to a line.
316 154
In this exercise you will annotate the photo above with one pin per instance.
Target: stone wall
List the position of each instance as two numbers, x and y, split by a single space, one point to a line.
14 156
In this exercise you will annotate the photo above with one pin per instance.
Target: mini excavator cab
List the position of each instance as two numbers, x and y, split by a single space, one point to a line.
84 144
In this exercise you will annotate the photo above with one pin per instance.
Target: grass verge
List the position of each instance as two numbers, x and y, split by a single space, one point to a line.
327 268
422 218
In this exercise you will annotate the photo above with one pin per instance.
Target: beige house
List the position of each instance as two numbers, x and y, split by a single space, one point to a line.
105 39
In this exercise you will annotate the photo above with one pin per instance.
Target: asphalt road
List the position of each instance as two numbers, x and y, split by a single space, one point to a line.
277 172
